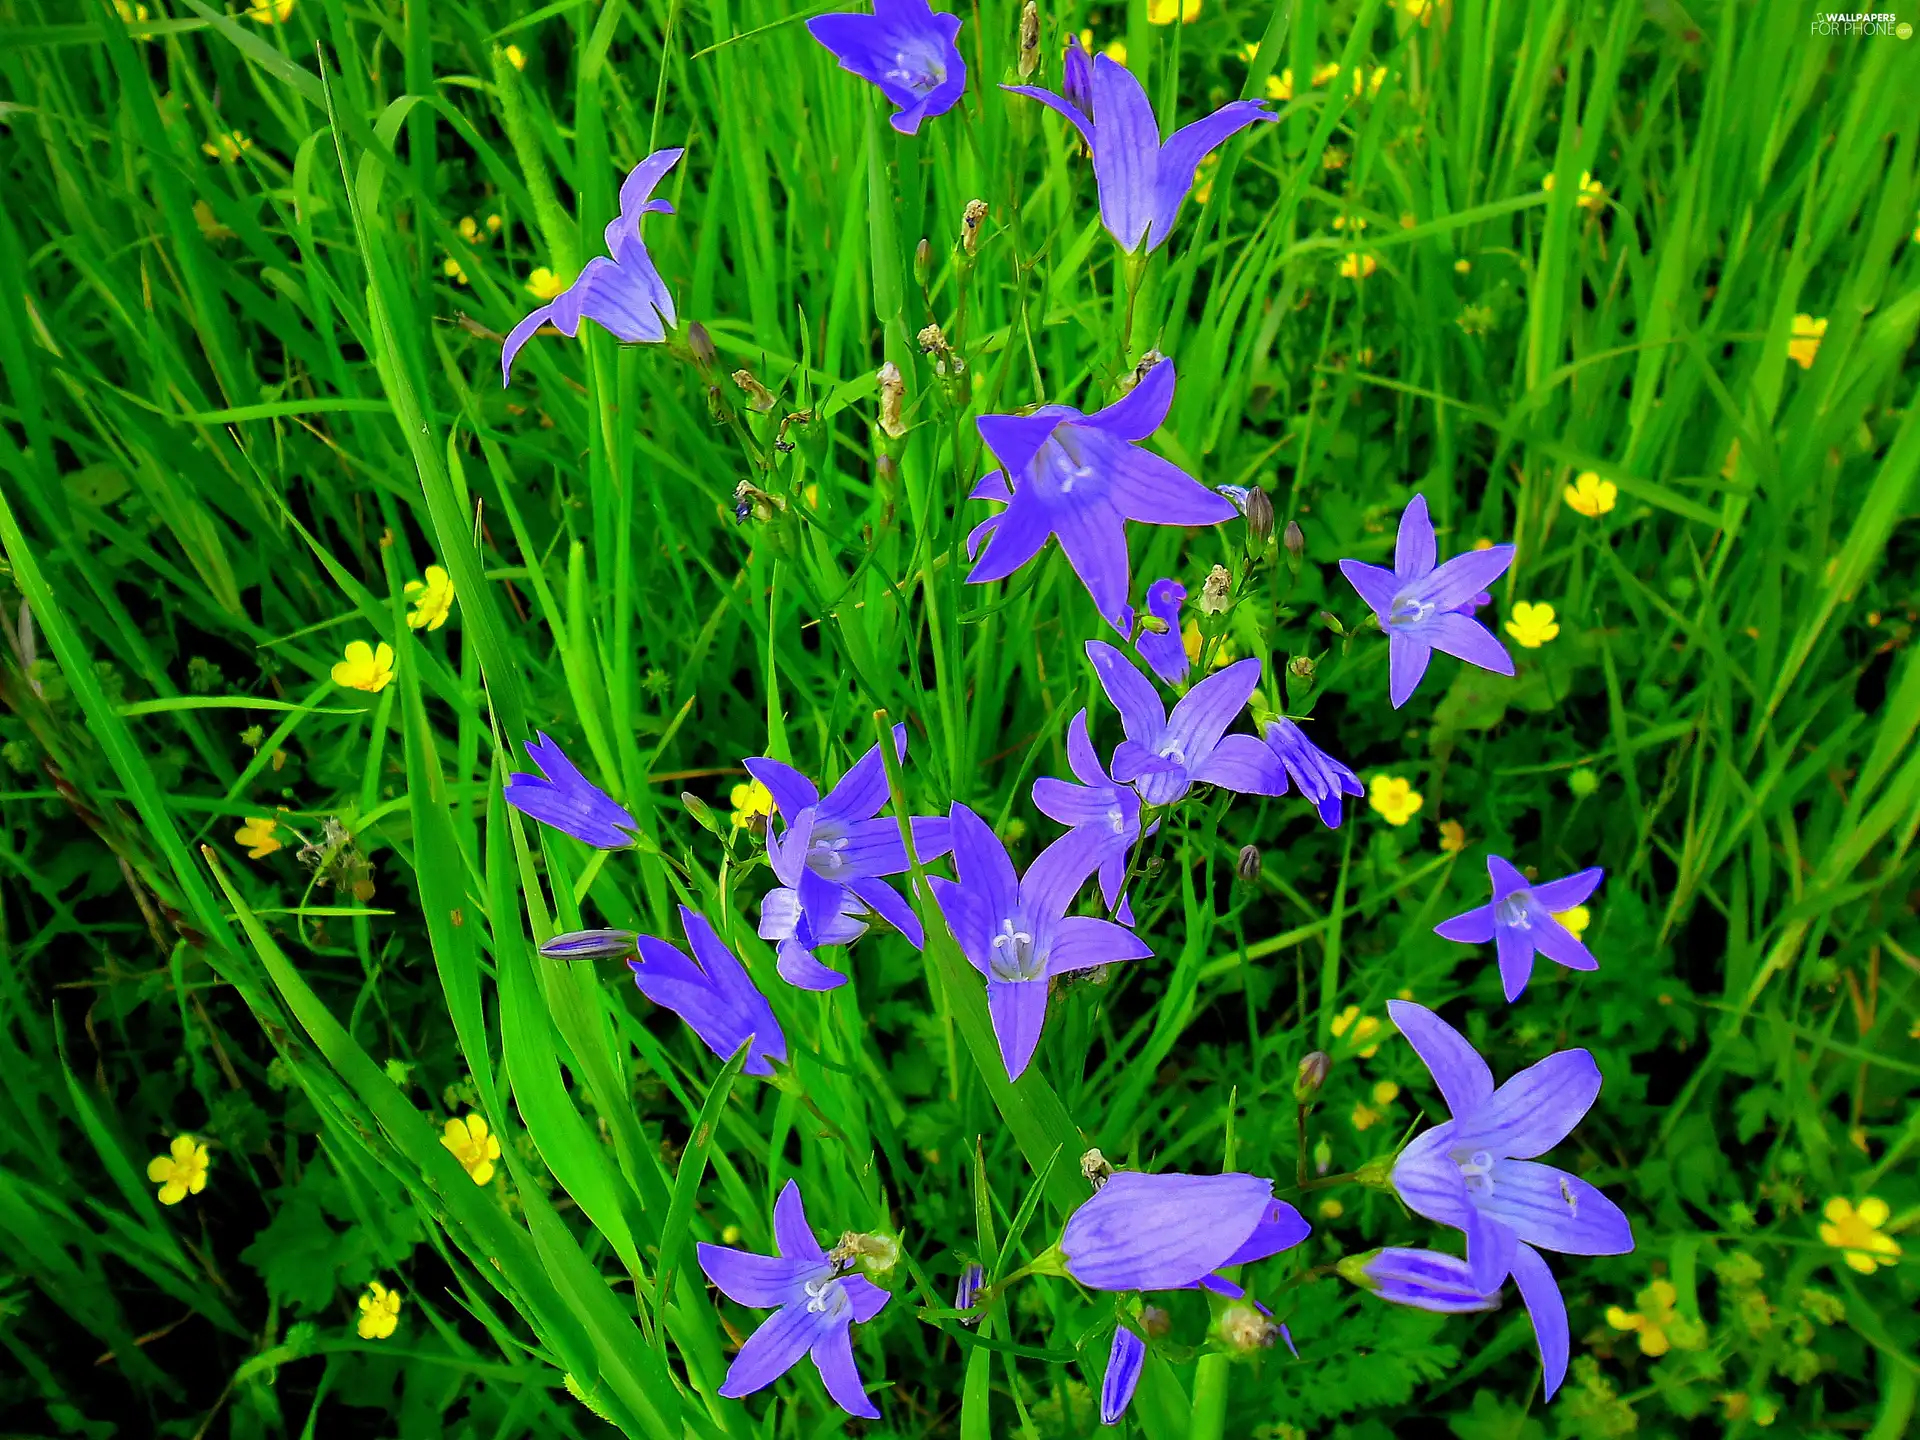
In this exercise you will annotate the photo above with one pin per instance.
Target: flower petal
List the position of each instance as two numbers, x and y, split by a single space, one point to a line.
1415 550
1471 927
1126 150
1548 1310
868 1299
517 339
1490 1248
1184 151
1149 488
1205 712
1374 585
1082 942
1019 1012
1466 639
862 791
1142 715
982 862
1125 1360
1553 1210
1407 660
1015 440
792 1235
1018 533
891 906
1163 650
1463 577
1430 1183
1426 1280
1506 879
1162 1232
1559 944
1464 1079
1057 873
759 1281
1242 763
773 1349
833 1358
803 970
1057 103
1142 410
1082 758
1515 949
792 792
1095 542
966 920
1281 1228
1535 1110
1558 896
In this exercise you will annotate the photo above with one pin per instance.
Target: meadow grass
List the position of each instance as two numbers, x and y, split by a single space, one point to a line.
254 274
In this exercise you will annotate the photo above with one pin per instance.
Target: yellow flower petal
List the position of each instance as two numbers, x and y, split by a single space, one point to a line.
1532 625
1393 798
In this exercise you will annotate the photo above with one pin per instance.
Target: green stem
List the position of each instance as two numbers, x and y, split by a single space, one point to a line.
1209 1415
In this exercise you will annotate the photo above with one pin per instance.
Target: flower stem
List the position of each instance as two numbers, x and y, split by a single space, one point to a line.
1209 1415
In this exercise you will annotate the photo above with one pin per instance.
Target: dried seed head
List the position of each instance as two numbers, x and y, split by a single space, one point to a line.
1301 668
1245 1329
1216 594
758 396
1147 362
893 396
1094 1166
1155 1322
970 222
932 341
1029 39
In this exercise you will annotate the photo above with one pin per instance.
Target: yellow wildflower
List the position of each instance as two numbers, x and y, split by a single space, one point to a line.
516 57
271 12
257 834
472 1146
435 599
1355 223
1589 495
210 227
494 222
751 802
1593 194
365 668
1532 625
1462 266
1421 10
469 228
1483 543
1364 1027
1162 12
1331 1209
1805 344
1280 87
130 14
1355 266
1453 836
1408 220
379 1312
1659 1326
229 147
543 284
1190 641
1324 73
453 270
730 1235
181 1172
1203 178
1394 799
1366 1116
1856 1232
1333 158
1575 920
1116 51
1369 83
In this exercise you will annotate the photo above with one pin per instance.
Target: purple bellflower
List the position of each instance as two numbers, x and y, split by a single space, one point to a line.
1321 778
589 945
1142 182
817 1307
966 1294
1125 1361
1076 83
1521 920
1015 930
904 47
1164 755
562 797
712 993
1424 606
1165 651
1476 1172
1171 1232
1101 809
621 290
1423 1279
1080 477
830 860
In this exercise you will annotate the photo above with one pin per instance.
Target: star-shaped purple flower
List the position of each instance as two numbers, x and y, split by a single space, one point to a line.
818 1304
1165 651
1099 808
562 797
1080 477
1521 920
1425 607
1164 755
1142 182
621 290
1476 1172
714 996
1015 930
830 860
905 47
1321 778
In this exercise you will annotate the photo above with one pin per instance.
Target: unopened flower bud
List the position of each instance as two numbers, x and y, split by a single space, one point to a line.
893 396
1155 1322
1311 1075
759 398
1094 1166
1215 594
589 945
1322 1156
1301 668
701 344
923 262
1148 624
1244 1329
967 1293
1259 516
1294 540
1029 39
1583 782
971 220
1247 867
1423 1279
1376 1174
874 1254
1077 84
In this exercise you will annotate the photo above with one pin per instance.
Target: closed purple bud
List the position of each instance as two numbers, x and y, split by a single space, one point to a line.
1162 1232
1247 867
1311 1075
701 344
1423 1279
1077 87
967 1293
1295 541
1125 1361
1259 516
589 945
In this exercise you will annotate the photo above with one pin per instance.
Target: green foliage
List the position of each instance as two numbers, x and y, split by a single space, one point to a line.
251 392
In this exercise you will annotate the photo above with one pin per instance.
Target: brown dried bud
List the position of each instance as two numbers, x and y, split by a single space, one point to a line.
1147 362
1259 516
932 341
1311 1075
1247 866
1302 668
1029 40
1094 1166
759 398
1216 594
1295 541
1155 1322
701 344
970 223
1245 1329
893 396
